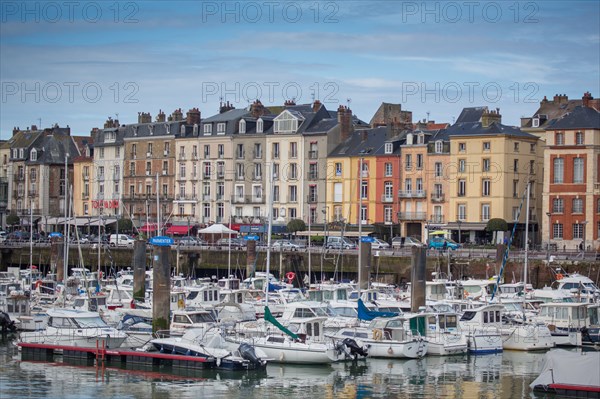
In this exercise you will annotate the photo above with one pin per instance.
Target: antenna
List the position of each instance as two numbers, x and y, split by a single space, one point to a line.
427 116
312 96
348 101
40 121
117 114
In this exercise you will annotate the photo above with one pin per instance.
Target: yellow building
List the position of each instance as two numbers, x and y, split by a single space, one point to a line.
490 166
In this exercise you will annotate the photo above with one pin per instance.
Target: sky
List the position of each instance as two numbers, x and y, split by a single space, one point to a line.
77 63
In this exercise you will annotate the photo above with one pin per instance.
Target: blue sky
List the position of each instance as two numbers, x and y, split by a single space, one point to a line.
79 63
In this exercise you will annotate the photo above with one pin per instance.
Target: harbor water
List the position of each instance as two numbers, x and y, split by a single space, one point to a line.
505 375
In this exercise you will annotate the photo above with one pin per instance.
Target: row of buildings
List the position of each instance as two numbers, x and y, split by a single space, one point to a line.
326 167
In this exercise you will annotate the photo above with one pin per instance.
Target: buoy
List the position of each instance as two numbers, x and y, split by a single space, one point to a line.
290 276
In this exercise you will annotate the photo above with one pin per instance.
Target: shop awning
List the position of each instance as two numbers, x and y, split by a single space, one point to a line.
148 228
466 226
178 230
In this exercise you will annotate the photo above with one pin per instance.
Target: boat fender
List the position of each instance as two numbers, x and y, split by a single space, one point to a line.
390 351
180 304
377 335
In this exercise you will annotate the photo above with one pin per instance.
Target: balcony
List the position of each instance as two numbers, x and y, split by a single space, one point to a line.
181 156
437 219
257 154
312 199
194 156
148 155
165 172
412 194
313 154
32 193
239 177
313 176
387 198
220 175
411 216
206 197
186 197
256 176
85 196
86 177
166 153
247 199
437 198
100 177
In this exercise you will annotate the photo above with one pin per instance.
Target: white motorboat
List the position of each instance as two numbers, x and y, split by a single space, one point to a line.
70 327
442 333
565 321
482 328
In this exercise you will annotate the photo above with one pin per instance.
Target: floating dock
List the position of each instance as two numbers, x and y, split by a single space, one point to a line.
112 357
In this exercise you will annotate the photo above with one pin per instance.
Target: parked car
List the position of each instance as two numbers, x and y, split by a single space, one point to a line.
400 242
235 242
121 240
340 242
188 241
284 245
443 243
379 244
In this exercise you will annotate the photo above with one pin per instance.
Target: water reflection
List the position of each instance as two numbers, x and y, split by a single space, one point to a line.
505 375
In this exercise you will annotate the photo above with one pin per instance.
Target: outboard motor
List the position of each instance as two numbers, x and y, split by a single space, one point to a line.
355 349
247 352
6 325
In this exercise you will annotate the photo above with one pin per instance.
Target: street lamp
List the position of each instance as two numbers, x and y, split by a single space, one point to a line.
549 236
427 238
459 231
585 222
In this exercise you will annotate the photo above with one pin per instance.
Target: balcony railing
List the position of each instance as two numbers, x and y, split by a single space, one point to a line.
387 198
313 154
437 219
186 197
437 197
412 194
311 199
313 176
411 216
247 199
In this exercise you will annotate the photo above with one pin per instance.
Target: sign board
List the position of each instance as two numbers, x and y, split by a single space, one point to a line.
251 238
367 239
55 234
161 241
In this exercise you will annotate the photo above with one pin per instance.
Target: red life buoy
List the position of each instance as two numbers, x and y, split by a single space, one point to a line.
37 284
290 276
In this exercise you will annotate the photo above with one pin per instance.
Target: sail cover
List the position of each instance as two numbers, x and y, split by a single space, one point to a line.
269 317
368 315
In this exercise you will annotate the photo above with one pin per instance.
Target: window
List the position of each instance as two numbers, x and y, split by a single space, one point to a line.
462 147
365 169
293 150
239 151
389 147
275 150
532 147
485 165
439 147
363 214
337 192
293 171
486 185
149 149
275 171
259 125
408 162
221 151
257 150
182 170
515 213
387 214
559 138
579 138
515 188
557 231
293 194
292 213
364 190
239 171
313 171
208 128
577 230
33 155
461 212
516 147
531 167
462 165
101 153
388 169
438 191
419 161
286 123
558 205
577 205
257 171
487 146
338 168
485 212
598 206
559 169
516 165
408 185
462 187
388 190
221 128
419 186
242 126
578 170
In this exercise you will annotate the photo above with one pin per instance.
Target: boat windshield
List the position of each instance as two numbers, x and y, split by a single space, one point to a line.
201 318
90 322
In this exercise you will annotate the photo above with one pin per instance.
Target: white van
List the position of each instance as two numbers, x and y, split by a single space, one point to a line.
340 242
121 240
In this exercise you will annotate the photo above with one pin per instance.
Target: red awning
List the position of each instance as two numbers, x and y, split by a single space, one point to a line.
148 227
177 230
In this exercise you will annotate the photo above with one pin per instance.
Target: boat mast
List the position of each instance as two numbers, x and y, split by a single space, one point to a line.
158 231
360 181
269 230
525 265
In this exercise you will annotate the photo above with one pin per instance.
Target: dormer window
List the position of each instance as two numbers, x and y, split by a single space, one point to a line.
420 138
110 137
439 147
15 152
389 148
221 128
135 130
242 126
535 122
259 125
151 129
287 122
194 129
21 153
208 129
33 155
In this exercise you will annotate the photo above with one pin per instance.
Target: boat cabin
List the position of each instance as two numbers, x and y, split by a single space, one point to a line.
184 319
326 294
563 315
483 316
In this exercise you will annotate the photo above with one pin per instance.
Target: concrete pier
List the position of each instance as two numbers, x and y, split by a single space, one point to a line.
139 270
161 299
418 278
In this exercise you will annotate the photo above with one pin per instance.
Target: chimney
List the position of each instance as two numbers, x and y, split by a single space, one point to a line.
257 109
544 101
177 115
161 117
144 117
344 115
15 130
491 116
289 103
225 107
34 127
560 99
193 117
590 102
316 106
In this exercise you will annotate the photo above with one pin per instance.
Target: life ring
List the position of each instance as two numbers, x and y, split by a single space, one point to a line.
559 276
37 284
180 304
290 276
377 335
465 293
